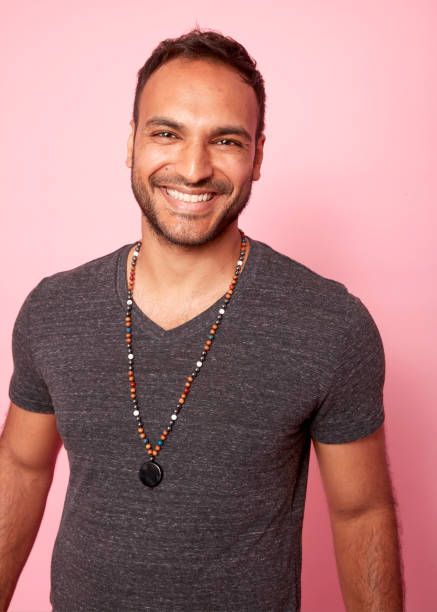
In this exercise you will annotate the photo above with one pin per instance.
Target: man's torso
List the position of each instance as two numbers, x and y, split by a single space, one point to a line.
222 531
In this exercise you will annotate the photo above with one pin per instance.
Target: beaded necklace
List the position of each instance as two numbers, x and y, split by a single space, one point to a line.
151 471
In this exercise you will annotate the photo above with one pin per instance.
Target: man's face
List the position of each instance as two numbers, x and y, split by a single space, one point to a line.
195 140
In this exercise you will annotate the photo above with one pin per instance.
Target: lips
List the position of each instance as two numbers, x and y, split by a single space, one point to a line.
189 197
189 203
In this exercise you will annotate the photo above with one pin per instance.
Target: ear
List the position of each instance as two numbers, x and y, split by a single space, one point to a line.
130 145
256 172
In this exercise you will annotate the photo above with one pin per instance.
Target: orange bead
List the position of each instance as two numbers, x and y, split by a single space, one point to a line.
150 452
148 445
190 379
154 453
142 435
208 342
165 433
215 326
181 400
162 437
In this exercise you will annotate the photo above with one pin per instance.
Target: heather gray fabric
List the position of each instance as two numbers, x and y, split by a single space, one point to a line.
296 357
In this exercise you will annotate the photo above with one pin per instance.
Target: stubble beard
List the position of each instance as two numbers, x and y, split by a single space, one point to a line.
149 209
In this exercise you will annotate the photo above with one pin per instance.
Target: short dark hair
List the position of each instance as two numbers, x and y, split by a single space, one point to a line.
210 45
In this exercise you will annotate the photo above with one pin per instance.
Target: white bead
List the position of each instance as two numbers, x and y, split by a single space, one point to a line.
136 253
239 262
199 364
136 413
222 311
130 356
174 417
129 302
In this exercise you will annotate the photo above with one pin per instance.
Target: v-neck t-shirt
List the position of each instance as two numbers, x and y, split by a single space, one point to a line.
296 357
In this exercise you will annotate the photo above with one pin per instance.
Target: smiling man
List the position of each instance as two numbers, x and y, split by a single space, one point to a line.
187 374
196 151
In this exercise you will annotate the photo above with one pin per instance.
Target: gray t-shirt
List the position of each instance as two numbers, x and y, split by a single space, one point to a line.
296 357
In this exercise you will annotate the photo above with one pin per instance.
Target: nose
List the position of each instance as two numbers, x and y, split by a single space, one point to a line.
194 162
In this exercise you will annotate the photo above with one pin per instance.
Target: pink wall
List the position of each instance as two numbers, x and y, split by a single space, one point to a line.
349 185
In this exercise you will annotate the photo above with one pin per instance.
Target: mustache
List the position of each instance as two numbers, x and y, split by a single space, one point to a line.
219 187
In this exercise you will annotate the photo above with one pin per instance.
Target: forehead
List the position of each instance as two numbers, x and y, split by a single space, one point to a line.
199 92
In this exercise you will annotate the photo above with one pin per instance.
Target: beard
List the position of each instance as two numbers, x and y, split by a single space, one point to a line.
188 236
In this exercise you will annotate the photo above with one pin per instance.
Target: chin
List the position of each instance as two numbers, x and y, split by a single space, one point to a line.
189 233
185 229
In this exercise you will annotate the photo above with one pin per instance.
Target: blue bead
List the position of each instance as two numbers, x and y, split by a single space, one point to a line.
129 329
160 442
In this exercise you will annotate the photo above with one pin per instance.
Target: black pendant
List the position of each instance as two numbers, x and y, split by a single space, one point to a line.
150 473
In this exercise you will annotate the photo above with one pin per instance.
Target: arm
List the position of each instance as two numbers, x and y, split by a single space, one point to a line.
28 448
363 518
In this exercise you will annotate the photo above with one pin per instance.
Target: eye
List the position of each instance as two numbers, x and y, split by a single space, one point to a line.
164 134
228 142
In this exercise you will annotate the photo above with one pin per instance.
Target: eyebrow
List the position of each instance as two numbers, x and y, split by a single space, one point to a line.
224 130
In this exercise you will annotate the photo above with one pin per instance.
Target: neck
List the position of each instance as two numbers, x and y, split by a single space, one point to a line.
166 270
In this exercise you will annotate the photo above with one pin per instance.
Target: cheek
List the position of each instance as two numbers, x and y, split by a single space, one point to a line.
151 159
240 175
238 168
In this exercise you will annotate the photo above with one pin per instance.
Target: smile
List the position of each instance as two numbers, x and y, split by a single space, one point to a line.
188 197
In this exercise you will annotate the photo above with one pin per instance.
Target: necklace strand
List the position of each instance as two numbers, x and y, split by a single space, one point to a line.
154 450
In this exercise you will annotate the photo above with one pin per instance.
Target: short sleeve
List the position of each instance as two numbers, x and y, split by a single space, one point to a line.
352 406
27 388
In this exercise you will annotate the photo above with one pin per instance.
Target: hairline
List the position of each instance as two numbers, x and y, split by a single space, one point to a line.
211 59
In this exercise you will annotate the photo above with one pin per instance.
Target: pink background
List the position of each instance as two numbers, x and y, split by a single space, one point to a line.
349 189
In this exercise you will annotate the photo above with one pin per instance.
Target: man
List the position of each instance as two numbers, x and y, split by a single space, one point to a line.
186 375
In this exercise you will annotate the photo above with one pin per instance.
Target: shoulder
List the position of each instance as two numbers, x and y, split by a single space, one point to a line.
295 292
291 280
69 292
70 285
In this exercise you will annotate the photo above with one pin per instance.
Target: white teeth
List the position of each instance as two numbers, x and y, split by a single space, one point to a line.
186 197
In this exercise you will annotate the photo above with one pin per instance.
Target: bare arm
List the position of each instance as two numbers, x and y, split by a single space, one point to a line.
364 525
28 449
